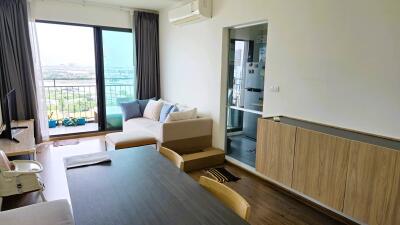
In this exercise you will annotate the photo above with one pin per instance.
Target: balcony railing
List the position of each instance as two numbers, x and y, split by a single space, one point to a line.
78 98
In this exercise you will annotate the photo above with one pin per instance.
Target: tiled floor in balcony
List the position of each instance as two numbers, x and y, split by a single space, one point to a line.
61 130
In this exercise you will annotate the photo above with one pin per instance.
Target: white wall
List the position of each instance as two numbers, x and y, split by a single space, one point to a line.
336 62
81 14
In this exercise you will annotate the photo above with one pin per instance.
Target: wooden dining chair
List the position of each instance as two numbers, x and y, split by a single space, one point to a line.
227 196
172 156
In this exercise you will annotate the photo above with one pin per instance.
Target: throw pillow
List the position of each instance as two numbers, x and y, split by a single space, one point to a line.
130 110
165 110
143 104
152 110
174 109
182 115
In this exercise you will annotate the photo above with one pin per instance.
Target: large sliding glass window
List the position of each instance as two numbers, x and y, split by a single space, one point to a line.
119 70
69 74
87 72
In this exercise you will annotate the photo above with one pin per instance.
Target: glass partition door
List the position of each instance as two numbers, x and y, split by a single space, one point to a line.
119 74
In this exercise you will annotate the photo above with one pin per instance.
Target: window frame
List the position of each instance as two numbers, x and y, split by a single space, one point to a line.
99 67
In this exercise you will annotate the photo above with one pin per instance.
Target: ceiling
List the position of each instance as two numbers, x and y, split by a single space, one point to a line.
139 4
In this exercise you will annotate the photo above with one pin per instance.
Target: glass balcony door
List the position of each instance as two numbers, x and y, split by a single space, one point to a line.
68 65
119 74
88 71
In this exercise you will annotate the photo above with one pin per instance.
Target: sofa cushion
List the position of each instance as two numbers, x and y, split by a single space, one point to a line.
182 115
165 110
153 110
174 109
147 125
130 110
182 107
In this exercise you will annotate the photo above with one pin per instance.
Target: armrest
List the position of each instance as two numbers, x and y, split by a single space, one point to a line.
185 129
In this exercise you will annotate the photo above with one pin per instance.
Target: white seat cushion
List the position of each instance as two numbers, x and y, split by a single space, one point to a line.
47 213
182 115
147 125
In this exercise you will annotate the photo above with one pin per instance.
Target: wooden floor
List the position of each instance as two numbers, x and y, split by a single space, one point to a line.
268 205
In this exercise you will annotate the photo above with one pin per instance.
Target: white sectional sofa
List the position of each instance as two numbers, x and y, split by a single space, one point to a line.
180 133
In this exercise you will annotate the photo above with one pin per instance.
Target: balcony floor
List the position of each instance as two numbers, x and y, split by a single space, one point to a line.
61 130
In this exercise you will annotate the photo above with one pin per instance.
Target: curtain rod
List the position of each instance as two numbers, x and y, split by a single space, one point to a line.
98 4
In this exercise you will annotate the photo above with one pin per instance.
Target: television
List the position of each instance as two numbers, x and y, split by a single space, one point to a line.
9 107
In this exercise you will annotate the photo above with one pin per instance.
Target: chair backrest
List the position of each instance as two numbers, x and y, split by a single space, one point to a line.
5 164
172 156
227 196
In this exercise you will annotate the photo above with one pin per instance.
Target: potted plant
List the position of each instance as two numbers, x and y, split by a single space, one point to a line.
52 122
69 122
80 121
72 121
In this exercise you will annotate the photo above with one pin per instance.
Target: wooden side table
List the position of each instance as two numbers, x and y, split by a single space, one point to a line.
26 137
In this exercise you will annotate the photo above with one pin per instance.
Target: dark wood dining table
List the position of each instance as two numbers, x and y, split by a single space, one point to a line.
139 186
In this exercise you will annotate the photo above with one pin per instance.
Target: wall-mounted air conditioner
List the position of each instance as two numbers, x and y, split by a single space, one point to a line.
192 12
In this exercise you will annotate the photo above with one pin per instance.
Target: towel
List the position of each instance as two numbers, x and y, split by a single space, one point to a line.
86 160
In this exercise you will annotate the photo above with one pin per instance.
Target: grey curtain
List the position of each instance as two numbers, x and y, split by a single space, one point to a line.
16 62
147 55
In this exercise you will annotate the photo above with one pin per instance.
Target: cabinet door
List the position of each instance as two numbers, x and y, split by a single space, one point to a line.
320 167
275 150
372 191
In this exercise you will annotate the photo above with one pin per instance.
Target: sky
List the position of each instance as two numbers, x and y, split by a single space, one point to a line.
117 49
62 44
65 44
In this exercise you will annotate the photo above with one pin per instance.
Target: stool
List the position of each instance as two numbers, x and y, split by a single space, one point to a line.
205 158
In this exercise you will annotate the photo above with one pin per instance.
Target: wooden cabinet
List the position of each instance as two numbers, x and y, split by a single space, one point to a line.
373 184
320 167
355 173
275 150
